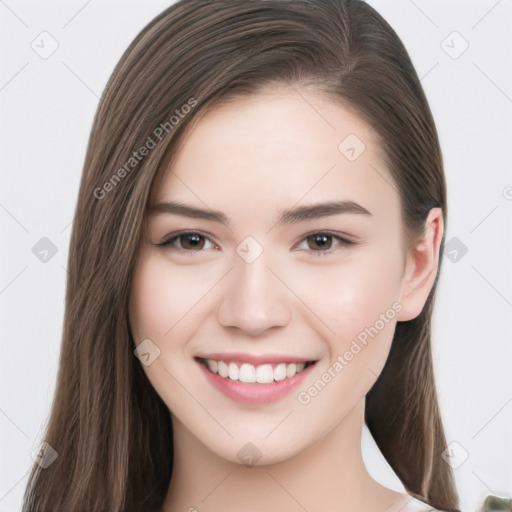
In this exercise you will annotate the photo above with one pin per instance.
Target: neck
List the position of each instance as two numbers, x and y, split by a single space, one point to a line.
328 475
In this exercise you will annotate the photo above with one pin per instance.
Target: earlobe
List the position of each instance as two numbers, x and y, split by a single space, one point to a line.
421 267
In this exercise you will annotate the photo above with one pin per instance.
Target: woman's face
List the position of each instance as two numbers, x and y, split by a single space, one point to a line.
275 253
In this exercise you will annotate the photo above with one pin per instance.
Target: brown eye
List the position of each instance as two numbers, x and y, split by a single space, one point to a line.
187 242
191 241
324 243
319 241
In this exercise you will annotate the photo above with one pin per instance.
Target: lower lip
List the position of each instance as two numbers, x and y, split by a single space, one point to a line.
254 393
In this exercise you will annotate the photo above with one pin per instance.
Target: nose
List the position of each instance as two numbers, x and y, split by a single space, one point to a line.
254 299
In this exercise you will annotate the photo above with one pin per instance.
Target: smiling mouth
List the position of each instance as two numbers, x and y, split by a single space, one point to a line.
250 374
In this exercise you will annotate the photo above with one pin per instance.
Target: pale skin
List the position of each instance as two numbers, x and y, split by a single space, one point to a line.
250 160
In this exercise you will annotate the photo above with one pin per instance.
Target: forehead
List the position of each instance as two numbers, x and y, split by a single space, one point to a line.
271 150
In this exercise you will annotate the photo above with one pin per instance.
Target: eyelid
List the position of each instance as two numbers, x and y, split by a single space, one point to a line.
343 239
166 242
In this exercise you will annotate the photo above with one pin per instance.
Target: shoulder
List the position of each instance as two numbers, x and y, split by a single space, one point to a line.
414 505
400 502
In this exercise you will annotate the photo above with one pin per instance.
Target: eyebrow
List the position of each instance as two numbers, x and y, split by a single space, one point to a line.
290 216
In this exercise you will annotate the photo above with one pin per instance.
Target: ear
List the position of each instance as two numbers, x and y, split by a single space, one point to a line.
421 266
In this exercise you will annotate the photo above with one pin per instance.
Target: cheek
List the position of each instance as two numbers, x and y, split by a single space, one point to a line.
352 295
359 302
163 300
166 309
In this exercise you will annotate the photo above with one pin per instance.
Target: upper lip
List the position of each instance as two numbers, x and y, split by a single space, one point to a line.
255 360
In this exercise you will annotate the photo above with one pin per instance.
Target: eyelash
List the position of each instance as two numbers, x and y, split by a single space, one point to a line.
175 236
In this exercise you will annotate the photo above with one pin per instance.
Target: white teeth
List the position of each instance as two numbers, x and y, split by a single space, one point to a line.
280 372
222 368
247 373
264 374
233 371
291 370
250 374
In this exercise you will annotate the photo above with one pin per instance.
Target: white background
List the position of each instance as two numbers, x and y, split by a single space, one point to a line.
47 107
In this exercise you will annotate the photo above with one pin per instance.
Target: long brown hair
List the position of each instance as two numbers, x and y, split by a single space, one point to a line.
111 430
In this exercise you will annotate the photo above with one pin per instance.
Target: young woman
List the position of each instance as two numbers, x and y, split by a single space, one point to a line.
252 272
